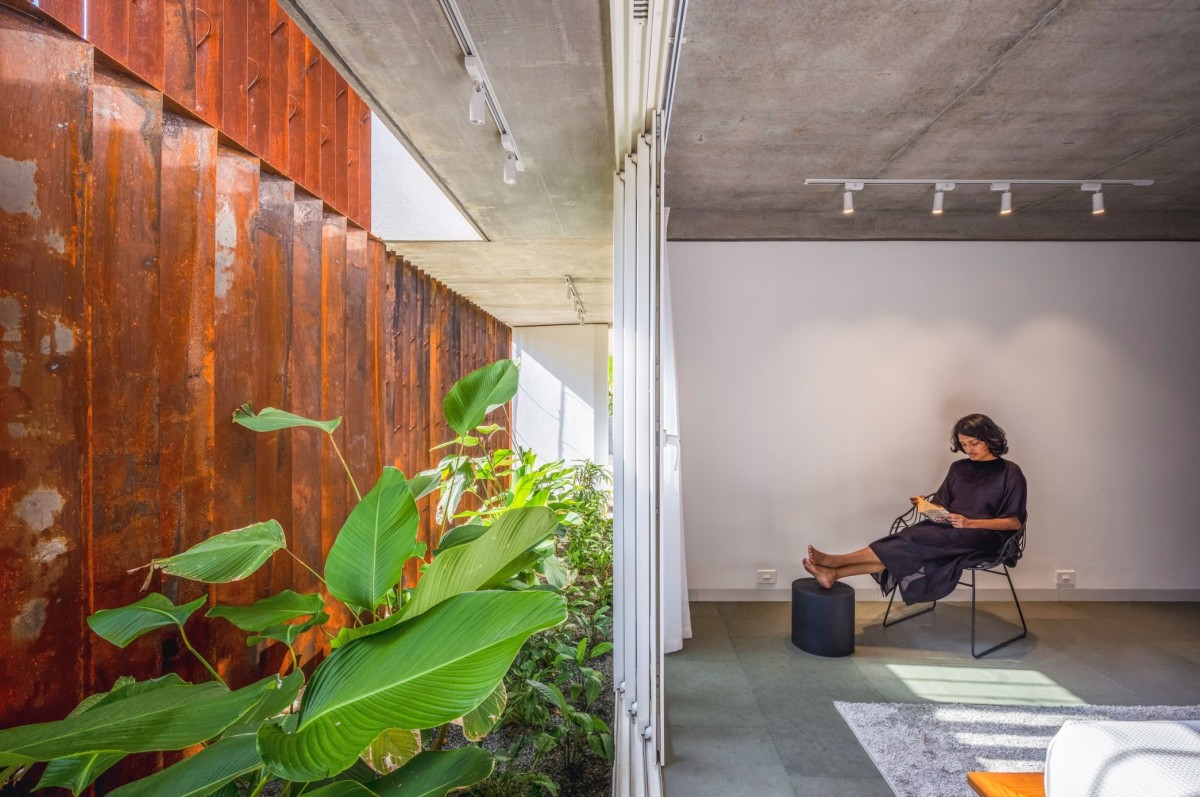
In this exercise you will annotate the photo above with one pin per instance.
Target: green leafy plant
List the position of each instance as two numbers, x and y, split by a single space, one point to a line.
411 659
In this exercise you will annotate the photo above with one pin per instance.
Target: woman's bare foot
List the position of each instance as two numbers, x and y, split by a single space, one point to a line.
819 557
825 576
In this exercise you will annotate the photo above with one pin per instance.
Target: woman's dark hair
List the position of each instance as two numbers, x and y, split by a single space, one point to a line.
981 427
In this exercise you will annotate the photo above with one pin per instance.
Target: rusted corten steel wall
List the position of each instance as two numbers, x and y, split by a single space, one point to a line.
153 279
244 67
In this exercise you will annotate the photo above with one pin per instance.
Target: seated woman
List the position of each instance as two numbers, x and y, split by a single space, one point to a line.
985 496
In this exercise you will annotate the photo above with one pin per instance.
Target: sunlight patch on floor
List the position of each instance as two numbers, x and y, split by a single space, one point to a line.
992 686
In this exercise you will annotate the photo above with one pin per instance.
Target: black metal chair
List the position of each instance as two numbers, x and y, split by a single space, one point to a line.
1007 557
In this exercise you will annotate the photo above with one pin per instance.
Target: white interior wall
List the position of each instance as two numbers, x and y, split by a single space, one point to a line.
818 383
561 408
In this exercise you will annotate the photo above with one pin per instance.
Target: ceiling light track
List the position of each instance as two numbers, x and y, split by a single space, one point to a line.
940 187
482 94
573 295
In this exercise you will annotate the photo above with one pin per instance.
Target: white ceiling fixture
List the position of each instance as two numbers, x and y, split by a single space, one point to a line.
483 97
941 186
576 302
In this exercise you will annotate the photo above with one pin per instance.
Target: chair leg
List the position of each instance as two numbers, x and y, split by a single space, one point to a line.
888 611
1020 614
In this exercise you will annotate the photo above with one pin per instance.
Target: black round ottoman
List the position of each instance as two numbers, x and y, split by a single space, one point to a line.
822 619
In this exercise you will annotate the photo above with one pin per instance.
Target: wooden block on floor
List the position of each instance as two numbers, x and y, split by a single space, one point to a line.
1007 784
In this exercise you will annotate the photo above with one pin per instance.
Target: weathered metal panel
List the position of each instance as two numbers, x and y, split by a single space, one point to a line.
358 451
108 28
278 105
68 12
207 34
186 359
122 291
179 51
144 39
259 77
304 398
364 166
297 108
341 142
353 103
334 506
327 165
44 514
313 132
272 342
235 72
235 291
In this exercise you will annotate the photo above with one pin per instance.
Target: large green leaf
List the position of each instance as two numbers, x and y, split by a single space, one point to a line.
460 535
467 567
478 393
275 610
167 718
367 558
199 775
76 774
425 483
392 749
229 556
287 633
479 721
122 626
270 419
436 774
342 788
270 704
419 674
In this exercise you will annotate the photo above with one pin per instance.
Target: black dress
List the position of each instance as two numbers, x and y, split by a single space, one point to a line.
927 559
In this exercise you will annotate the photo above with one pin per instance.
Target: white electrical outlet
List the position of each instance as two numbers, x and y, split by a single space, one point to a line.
1065 578
766 576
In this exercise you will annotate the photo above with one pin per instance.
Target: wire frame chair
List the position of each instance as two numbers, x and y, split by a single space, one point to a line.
1008 556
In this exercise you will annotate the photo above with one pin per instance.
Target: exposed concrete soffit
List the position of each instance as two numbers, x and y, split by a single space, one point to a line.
318 38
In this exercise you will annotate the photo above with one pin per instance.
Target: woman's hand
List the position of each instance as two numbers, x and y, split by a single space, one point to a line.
958 521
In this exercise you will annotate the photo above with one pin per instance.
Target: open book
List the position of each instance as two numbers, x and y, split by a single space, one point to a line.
938 514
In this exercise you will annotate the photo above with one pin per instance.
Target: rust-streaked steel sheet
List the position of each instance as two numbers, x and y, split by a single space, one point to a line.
68 12
259 78
122 290
304 398
272 340
352 209
313 130
179 51
186 360
235 290
278 110
327 162
341 127
207 35
364 166
297 107
357 381
108 28
334 505
144 39
235 72
44 514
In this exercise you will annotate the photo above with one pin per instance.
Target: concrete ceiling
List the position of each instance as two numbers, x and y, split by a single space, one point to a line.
549 67
772 91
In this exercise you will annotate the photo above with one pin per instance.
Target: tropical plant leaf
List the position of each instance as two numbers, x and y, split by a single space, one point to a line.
347 634
555 572
436 774
122 626
275 610
392 749
421 673
460 535
270 419
467 567
271 704
229 556
76 774
367 558
199 775
287 633
550 693
479 721
478 393
342 788
166 718
425 483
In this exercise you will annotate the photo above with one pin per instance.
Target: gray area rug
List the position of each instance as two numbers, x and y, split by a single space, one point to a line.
927 749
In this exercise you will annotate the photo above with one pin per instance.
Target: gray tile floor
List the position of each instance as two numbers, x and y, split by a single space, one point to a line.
750 714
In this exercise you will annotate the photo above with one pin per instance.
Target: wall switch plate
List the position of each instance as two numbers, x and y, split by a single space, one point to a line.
1065 578
766 576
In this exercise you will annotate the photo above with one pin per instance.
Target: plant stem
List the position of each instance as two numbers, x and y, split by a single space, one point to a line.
258 789
441 739
204 661
295 661
345 467
306 567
